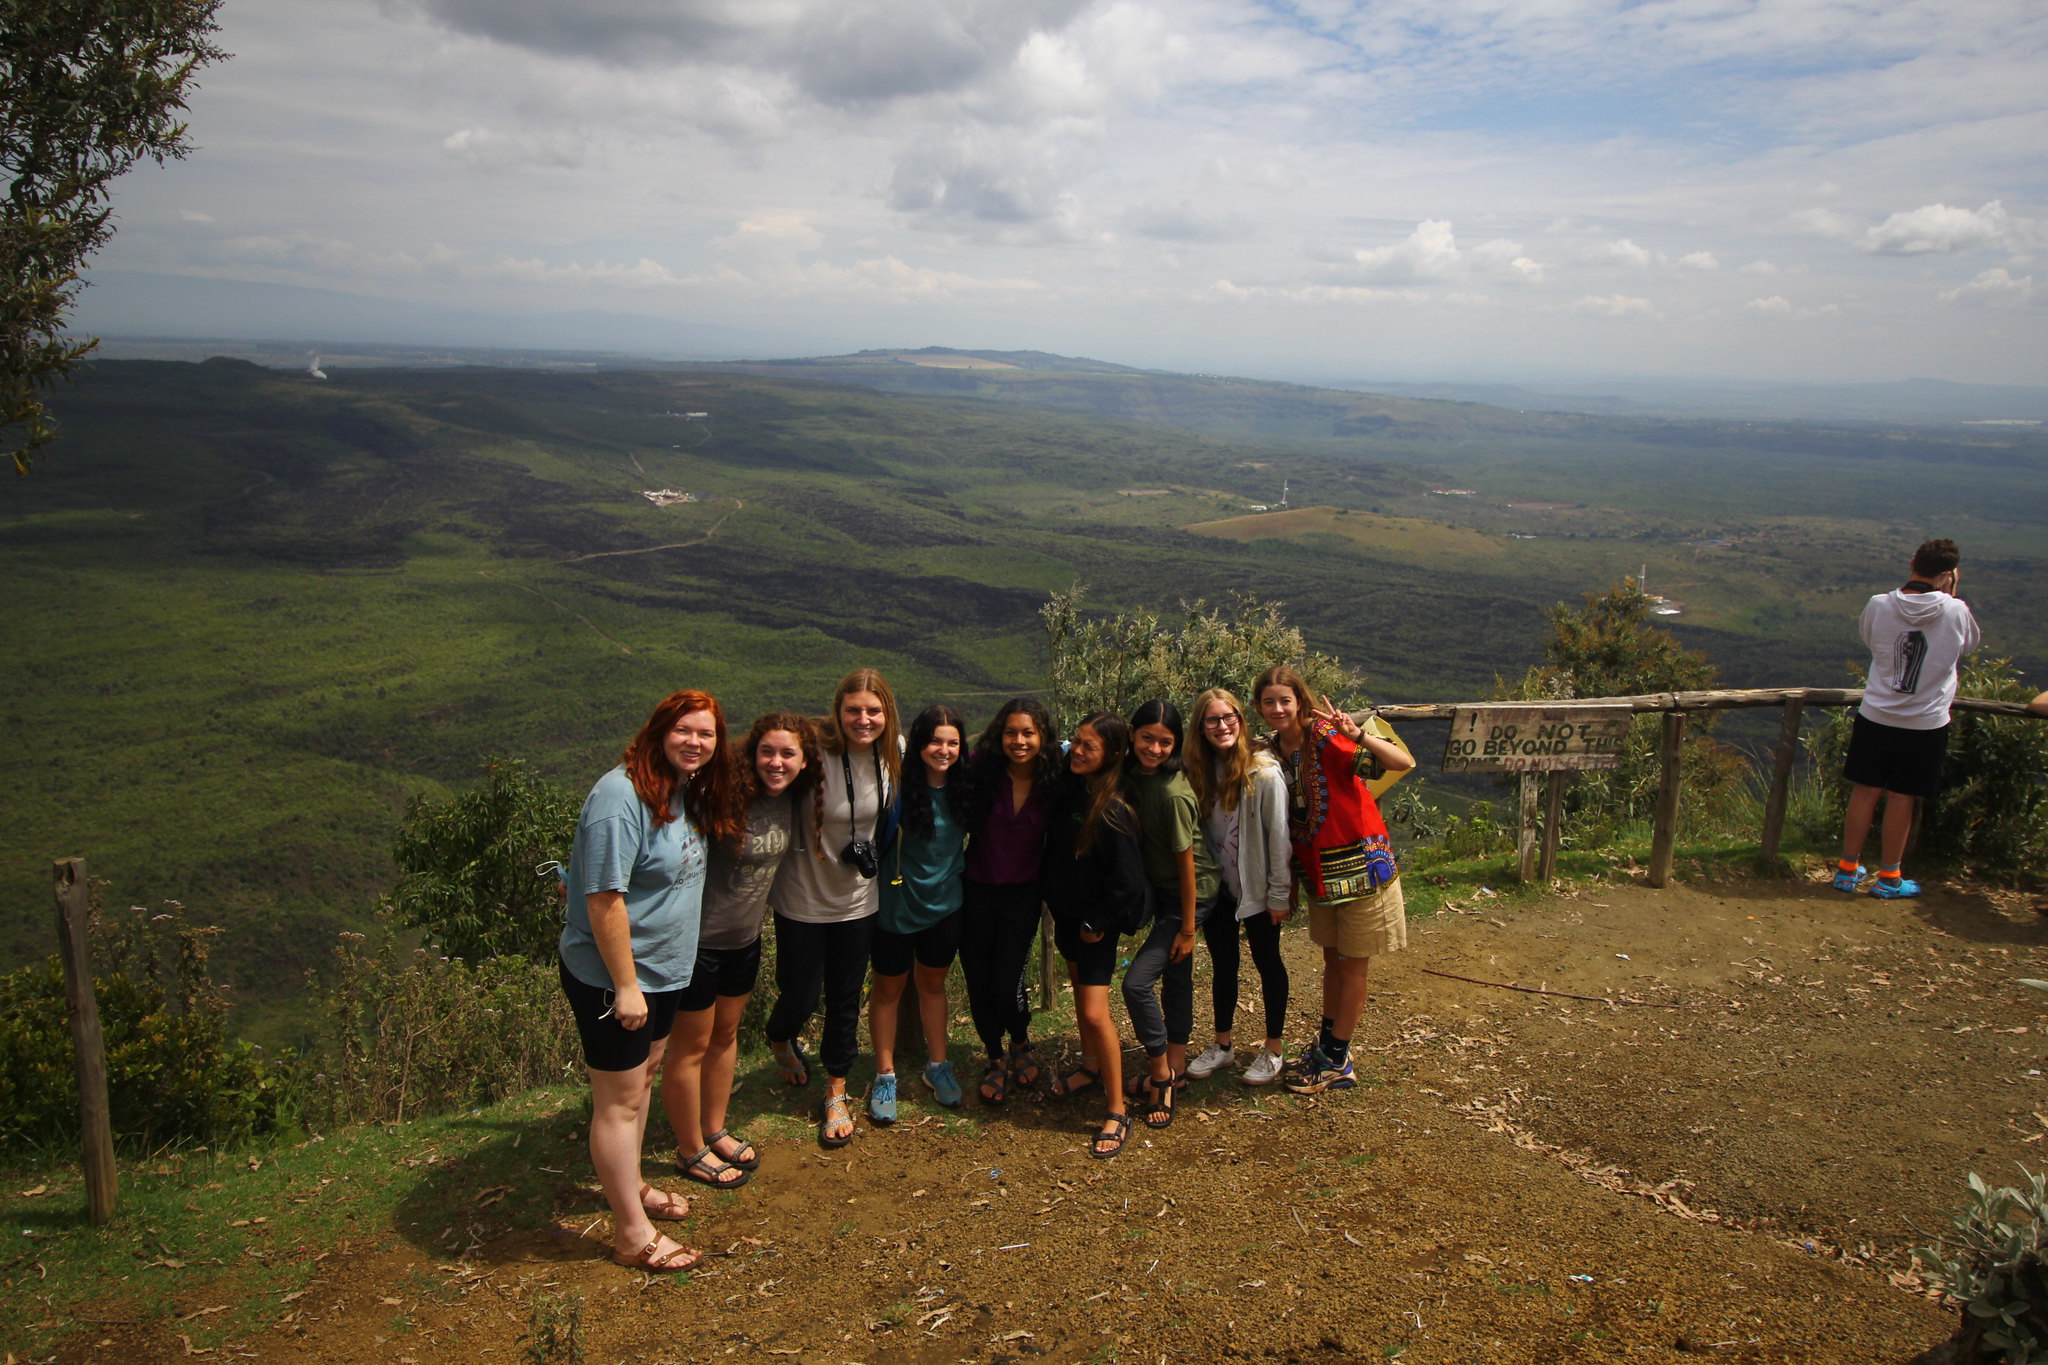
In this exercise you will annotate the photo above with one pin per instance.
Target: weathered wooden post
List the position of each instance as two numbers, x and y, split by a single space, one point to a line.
1525 843
1664 839
1781 779
1044 957
95 1122
1553 811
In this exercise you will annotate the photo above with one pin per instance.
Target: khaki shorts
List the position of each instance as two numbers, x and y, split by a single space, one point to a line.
1364 926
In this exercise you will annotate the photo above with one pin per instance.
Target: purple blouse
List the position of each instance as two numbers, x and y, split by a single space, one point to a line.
1007 848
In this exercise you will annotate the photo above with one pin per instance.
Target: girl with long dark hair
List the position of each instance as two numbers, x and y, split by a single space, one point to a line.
1184 879
825 895
1009 781
1095 887
629 944
918 929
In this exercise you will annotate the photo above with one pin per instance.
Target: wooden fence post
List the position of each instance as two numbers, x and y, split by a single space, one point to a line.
1525 846
1553 812
1665 837
95 1122
1781 779
1045 953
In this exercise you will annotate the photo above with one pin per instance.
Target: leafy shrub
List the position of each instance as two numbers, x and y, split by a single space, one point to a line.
416 1033
173 1074
1116 662
1993 808
1992 1266
468 865
1611 649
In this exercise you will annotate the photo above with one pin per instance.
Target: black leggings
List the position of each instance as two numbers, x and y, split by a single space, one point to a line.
997 924
834 956
1220 932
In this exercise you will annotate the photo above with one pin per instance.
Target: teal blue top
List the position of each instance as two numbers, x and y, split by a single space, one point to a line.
921 876
659 868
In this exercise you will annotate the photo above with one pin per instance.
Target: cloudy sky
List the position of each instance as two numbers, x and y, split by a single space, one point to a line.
1811 189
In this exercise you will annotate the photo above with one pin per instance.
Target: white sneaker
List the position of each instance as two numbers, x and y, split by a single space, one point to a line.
1213 1059
1265 1068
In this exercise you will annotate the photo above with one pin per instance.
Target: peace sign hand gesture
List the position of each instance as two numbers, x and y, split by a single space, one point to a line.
1330 715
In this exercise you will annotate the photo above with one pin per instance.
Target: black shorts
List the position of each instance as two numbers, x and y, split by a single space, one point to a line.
608 1045
1904 761
1094 963
935 946
721 971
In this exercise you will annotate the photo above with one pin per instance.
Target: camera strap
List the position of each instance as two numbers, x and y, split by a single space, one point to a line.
853 807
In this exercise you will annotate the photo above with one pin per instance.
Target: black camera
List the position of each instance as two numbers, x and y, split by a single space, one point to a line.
862 856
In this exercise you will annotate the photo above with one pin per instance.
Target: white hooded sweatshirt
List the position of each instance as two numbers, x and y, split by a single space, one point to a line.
1916 640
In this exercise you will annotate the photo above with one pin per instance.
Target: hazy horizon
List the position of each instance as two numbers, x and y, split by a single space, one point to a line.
1788 189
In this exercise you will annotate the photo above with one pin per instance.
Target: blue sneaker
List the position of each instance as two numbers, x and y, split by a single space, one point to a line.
1894 889
882 1098
945 1086
1331 1076
1309 1063
1851 882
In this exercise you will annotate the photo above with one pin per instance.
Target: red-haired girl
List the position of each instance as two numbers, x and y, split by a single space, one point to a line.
636 885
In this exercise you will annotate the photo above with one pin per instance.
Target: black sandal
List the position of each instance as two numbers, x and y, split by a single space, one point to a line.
709 1168
746 1158
1107 1145
1064 1088
996 1078
1162 1103
1024 1059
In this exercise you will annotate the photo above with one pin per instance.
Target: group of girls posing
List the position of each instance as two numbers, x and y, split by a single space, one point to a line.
892 854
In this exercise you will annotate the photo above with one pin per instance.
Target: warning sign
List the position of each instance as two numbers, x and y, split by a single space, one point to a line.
1535 739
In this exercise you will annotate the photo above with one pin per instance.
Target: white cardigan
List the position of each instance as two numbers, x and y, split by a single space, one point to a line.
1265 860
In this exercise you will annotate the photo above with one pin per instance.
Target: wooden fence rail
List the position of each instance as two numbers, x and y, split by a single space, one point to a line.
1536 858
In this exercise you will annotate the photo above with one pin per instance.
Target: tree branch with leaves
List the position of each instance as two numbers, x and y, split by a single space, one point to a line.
87 89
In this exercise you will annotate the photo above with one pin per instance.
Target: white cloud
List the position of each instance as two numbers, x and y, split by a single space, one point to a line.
1698 260
1430 254
1616 306
490 151
1995 288
194 216
1929 229
1778 306
779 228
1939 228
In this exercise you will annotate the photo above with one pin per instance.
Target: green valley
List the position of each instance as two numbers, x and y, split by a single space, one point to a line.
249 613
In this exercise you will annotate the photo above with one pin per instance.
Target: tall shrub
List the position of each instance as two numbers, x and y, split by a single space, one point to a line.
1610 648
173 1074
1115 662
470 866
1993 808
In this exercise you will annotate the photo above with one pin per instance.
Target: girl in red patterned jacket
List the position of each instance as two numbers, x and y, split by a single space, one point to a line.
1342 859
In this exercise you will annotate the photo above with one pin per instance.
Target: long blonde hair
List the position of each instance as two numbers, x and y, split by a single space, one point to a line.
888 744
1203 757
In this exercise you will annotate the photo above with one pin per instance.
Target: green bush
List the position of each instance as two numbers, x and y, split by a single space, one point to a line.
1992 812
1611 649
173 1074
415 1032
1115 663
1991 1264
470 865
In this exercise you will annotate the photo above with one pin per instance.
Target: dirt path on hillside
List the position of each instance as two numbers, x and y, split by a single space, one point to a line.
1527 1178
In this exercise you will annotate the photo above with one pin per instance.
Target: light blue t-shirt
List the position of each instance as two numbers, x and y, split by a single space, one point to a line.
660 870
921 877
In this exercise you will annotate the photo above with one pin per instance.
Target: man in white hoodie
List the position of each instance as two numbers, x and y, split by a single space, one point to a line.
1917 635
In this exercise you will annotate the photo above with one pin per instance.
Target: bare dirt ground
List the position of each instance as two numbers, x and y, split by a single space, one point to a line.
1727 1157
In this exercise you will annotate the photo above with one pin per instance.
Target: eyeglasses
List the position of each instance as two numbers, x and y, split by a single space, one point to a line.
1222 722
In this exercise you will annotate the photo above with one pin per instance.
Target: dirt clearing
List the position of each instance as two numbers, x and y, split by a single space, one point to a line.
1524 1177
